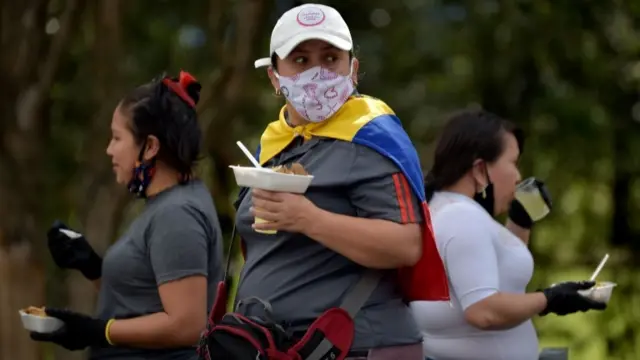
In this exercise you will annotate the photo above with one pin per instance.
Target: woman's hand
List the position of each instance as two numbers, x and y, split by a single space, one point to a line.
70 250
283 211
78 332
563 298
523 214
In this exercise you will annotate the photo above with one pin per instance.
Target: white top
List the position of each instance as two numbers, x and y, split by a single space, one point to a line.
481 258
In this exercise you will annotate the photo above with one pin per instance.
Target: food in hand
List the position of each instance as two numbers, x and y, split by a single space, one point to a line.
598 296
293 169
600 292
600 285
36 311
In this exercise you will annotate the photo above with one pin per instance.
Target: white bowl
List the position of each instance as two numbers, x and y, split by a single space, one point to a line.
600 292
40 324
267 179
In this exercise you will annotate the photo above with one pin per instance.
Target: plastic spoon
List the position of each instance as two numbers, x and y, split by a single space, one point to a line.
600 266
248 154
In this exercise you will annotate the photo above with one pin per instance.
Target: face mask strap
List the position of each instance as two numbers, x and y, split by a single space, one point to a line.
353 60
483 192
486 197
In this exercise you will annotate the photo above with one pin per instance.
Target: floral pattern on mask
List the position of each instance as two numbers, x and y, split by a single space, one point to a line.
316 93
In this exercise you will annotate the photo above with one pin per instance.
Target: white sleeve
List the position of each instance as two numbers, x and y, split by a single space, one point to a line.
469 254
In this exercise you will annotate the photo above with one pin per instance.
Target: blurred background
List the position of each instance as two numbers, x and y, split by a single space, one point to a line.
566 71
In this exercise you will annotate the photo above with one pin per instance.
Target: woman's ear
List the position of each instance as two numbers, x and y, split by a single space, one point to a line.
274 79
152 147
479 173
354 71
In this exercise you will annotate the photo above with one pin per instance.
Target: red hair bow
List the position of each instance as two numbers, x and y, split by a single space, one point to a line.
180 87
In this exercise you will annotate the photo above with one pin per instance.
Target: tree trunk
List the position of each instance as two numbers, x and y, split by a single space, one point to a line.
229 91
28 73
100 201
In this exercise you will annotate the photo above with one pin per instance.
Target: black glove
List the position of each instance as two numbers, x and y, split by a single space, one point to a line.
520 215
78 332
70 250
563 298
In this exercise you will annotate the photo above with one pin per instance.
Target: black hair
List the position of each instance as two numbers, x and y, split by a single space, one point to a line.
468 135
274 59
157 110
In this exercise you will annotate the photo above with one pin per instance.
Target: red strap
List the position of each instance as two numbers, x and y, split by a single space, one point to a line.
219 307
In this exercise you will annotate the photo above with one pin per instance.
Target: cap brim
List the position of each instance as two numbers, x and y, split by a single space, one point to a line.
262 62
284 50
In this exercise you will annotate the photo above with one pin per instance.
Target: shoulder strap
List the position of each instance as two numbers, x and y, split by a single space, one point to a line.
360 293
236 204
230 251
352 303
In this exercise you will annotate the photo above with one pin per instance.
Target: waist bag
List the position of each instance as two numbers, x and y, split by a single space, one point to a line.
236 336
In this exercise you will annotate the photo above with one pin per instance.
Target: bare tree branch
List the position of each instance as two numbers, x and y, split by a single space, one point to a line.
67 21
98 199
31 23
226 89
217 26
107 89
21 141
249 19
225 92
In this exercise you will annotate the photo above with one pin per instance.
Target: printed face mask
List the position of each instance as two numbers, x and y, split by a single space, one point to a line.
316 93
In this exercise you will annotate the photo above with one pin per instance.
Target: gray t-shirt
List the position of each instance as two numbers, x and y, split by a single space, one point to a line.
176 236
300 277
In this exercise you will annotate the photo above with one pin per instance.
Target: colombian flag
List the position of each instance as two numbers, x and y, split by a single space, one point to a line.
370 122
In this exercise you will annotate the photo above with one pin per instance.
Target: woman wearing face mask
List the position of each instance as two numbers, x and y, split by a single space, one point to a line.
158 280
474 177
363 209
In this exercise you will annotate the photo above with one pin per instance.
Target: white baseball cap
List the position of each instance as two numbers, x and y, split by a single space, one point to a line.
306 22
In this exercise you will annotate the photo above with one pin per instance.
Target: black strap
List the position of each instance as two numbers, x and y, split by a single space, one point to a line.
230 251
236 205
